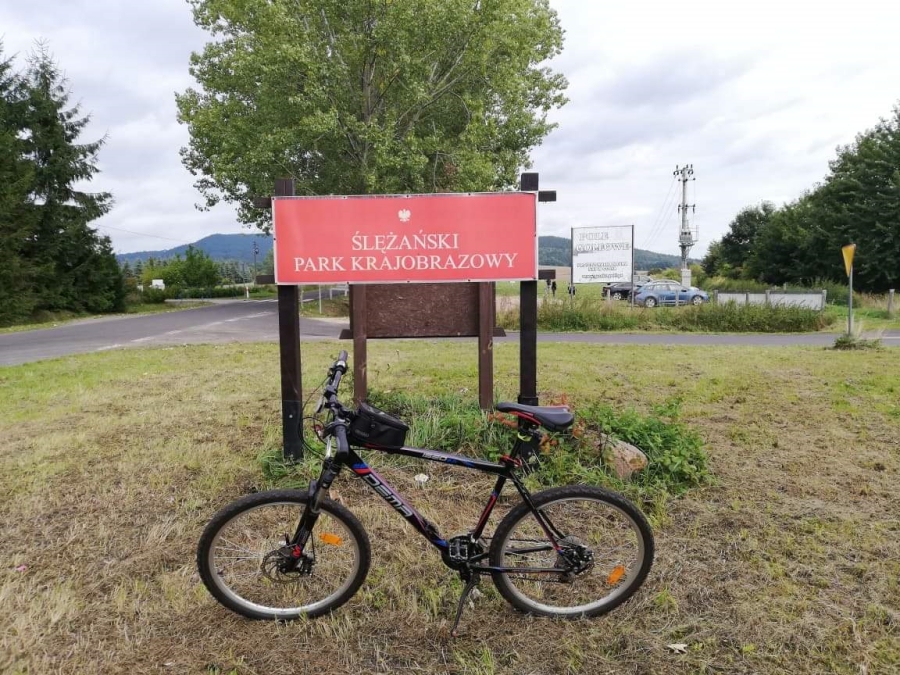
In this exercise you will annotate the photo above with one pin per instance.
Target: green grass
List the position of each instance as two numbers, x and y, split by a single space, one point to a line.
338 306
156 308
866 319
112 462
585 314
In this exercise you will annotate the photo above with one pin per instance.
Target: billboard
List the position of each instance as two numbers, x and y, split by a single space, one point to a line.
602 254
405 238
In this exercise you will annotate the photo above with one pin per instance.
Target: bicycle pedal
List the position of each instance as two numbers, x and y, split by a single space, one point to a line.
462 549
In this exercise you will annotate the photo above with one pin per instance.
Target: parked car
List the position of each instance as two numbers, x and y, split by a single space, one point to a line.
664 293
620 290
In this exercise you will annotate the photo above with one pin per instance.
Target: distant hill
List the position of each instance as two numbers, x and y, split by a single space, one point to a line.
555 251
217 246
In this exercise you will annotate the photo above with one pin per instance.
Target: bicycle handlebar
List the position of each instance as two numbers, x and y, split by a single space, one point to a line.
336 373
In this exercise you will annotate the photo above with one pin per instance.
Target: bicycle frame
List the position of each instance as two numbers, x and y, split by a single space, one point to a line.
504 471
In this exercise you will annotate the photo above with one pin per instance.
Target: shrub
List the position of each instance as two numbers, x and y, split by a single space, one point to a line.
587 314
677 460
154 296
733 318
209 292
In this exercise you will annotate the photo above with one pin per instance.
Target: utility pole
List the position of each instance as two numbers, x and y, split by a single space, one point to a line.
686 236
255 253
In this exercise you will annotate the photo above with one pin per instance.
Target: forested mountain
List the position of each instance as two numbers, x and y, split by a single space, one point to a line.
555 251
238 247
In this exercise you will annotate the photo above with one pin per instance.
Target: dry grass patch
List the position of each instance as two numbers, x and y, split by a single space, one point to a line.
112 463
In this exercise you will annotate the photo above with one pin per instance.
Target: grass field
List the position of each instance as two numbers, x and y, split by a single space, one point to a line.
112 463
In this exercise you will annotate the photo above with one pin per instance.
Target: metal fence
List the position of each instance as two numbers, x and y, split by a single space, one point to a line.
809 300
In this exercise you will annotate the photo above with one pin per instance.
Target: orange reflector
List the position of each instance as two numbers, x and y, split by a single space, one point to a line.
615 575
332 539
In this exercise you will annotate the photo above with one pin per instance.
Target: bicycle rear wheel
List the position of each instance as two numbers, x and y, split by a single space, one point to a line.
606 551
240 550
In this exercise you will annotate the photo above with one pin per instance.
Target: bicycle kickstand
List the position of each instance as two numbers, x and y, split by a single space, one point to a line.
470 586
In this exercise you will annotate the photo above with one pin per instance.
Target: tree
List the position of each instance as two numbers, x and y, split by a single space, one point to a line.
198 270
712 261
267 264
195 270
734 248
75 269
17 218
363 96
781 249
859 202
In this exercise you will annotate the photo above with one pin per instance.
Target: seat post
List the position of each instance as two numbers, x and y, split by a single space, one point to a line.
526 435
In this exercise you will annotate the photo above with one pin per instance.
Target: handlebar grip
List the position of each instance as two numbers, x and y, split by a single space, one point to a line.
340 433
342 356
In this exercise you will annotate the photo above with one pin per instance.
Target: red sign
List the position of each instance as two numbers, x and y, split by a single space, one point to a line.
396 239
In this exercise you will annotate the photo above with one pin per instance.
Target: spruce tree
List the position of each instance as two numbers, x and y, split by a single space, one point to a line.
75 267
17 217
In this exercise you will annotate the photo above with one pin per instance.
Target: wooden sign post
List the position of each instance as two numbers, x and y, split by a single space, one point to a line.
396 252
381 311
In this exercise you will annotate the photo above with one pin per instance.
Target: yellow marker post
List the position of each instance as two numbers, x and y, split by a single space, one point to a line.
848 252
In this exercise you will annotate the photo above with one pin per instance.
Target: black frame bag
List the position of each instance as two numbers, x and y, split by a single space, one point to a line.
372 426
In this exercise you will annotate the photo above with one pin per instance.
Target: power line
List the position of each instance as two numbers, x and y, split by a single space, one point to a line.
659 223
142 234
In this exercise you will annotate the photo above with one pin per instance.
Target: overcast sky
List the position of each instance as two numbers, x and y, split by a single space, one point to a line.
755 94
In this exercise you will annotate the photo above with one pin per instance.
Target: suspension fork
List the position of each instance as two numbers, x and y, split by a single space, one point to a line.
317 491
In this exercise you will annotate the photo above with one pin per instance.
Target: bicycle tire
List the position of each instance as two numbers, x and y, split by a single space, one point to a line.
617 579
337 529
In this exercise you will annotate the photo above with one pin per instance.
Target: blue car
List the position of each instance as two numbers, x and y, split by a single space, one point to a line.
664 293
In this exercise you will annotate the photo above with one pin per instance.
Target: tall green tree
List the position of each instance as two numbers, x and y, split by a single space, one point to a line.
17 217
782 250
195 270
75 267
712 261
859 202
367 96
198 270
729 256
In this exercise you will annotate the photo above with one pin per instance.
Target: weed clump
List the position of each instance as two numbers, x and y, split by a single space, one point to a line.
850 342
675 452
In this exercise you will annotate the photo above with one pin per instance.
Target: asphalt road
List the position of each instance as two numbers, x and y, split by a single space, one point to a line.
257 321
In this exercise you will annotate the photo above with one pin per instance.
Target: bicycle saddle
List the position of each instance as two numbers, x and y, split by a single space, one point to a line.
550 417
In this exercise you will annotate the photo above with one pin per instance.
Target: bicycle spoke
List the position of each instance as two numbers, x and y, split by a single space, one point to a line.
600 555
245 556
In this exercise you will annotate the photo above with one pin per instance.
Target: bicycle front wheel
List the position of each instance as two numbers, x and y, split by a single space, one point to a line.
241 552
604 553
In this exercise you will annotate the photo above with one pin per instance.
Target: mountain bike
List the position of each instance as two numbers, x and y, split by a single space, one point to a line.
573 551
